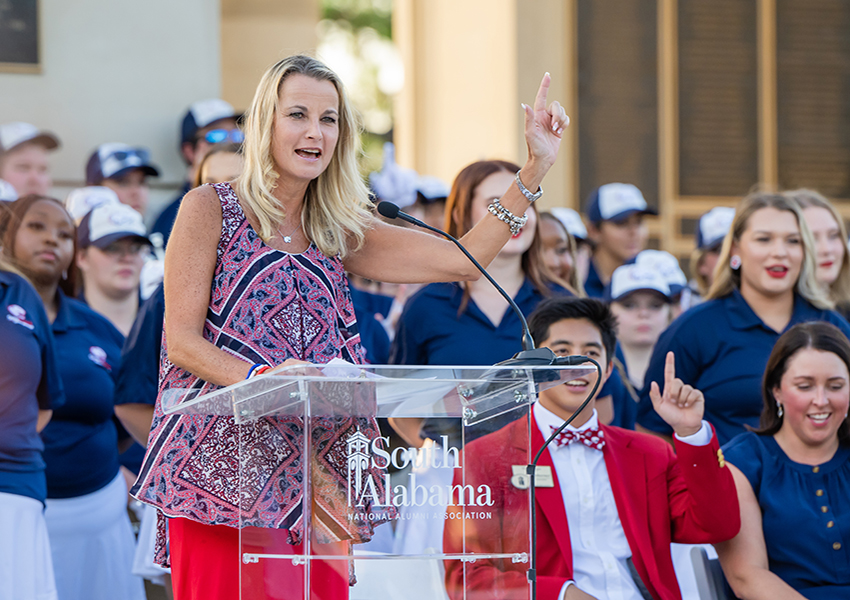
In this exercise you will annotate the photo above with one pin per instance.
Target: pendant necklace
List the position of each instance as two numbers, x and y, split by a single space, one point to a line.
287 239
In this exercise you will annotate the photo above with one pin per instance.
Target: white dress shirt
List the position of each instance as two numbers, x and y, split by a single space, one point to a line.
599 545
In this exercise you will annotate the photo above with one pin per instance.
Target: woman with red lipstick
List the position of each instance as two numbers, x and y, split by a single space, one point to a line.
830 234
91 540
764 283
793 475
255 278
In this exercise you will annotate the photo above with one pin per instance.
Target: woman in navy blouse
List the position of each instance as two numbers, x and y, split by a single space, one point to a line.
764 283
31 389
90 536
793 475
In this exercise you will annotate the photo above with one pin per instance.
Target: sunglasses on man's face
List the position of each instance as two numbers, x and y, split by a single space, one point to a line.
217 136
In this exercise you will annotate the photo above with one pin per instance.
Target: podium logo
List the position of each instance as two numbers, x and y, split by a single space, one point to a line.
365 458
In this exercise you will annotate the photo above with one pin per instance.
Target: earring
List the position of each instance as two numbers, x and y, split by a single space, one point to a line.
735 262
779 411
65 274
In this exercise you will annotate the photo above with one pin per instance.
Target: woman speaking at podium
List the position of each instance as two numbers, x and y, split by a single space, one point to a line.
255 278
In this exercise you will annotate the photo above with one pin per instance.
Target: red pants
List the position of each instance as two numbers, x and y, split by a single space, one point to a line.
206 562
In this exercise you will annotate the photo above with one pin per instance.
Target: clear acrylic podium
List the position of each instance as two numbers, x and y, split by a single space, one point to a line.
411 523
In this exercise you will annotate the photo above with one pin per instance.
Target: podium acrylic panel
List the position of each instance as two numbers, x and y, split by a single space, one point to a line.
328 498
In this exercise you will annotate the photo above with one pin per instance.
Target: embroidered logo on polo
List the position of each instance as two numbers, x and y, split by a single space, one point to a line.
18 316
98 356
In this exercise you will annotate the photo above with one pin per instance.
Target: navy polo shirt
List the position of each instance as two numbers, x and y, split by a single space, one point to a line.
29 378
137 379
721 349
81 441
373 336
431 332
165 221
593 286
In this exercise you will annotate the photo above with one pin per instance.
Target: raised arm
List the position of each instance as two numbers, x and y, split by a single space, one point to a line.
744 557
401 255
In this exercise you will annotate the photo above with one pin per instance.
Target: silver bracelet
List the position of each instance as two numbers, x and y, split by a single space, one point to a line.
514 222
531 197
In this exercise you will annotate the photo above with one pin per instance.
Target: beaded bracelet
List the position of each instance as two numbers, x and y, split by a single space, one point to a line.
514 222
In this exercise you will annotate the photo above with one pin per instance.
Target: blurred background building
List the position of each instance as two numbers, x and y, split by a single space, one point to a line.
693 101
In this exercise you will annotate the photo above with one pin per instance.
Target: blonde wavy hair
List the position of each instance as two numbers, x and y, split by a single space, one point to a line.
839 290
336 205
726 279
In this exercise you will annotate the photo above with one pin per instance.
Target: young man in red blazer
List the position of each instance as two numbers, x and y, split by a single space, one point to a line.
609 500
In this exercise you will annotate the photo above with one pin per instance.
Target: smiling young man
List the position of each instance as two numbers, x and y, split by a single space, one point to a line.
609 501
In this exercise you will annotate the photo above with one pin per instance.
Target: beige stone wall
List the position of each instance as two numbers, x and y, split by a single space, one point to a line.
468 65
257 33
117 72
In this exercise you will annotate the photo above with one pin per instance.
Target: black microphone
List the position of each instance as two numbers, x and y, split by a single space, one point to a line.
529 355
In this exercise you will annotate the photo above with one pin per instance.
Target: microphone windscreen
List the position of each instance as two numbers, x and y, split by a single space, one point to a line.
388 209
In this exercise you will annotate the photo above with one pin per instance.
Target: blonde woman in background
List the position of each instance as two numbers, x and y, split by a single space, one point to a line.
830 234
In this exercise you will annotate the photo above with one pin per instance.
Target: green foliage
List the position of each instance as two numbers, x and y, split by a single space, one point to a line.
361 14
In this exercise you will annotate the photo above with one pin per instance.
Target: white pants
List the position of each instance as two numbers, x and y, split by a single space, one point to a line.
26 568
93 545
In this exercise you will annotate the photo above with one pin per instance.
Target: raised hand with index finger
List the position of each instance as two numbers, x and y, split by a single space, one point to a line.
544 127
680 405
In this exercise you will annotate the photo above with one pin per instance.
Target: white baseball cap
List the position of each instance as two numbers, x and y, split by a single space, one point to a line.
713 226
7 192
666 265
109 223
616 202
14 134
82 200
633 278
571 220
394 183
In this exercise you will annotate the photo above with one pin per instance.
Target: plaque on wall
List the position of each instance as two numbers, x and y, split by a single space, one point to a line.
19 47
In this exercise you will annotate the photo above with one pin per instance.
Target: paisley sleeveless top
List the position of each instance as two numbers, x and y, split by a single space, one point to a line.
266 306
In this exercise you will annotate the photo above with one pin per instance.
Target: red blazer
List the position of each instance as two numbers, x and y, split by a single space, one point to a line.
659 499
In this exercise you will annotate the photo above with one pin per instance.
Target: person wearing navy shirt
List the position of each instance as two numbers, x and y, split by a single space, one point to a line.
615 214
86 496
206 123
32 389
763 285
795 470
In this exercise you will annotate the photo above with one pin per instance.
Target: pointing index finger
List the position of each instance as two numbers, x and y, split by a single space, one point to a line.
542 92
669 370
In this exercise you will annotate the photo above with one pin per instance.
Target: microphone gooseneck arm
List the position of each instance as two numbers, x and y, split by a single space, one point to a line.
391 211
532 468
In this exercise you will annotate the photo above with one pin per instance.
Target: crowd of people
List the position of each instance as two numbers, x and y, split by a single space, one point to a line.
721 414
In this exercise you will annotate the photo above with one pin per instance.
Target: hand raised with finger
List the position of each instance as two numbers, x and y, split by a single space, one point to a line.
680 405
544 127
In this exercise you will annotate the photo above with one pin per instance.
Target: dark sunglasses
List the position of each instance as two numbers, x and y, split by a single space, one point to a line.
217 136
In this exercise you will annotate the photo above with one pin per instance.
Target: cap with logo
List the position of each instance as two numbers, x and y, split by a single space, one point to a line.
666 265
109 223
634 278
616 202
203 113
713 227
13 135
82 200
571 220
115 160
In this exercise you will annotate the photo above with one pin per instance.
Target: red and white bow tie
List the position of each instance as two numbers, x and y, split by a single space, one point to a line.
592 438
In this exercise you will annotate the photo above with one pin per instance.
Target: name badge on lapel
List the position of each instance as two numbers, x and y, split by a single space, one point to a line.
543 477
